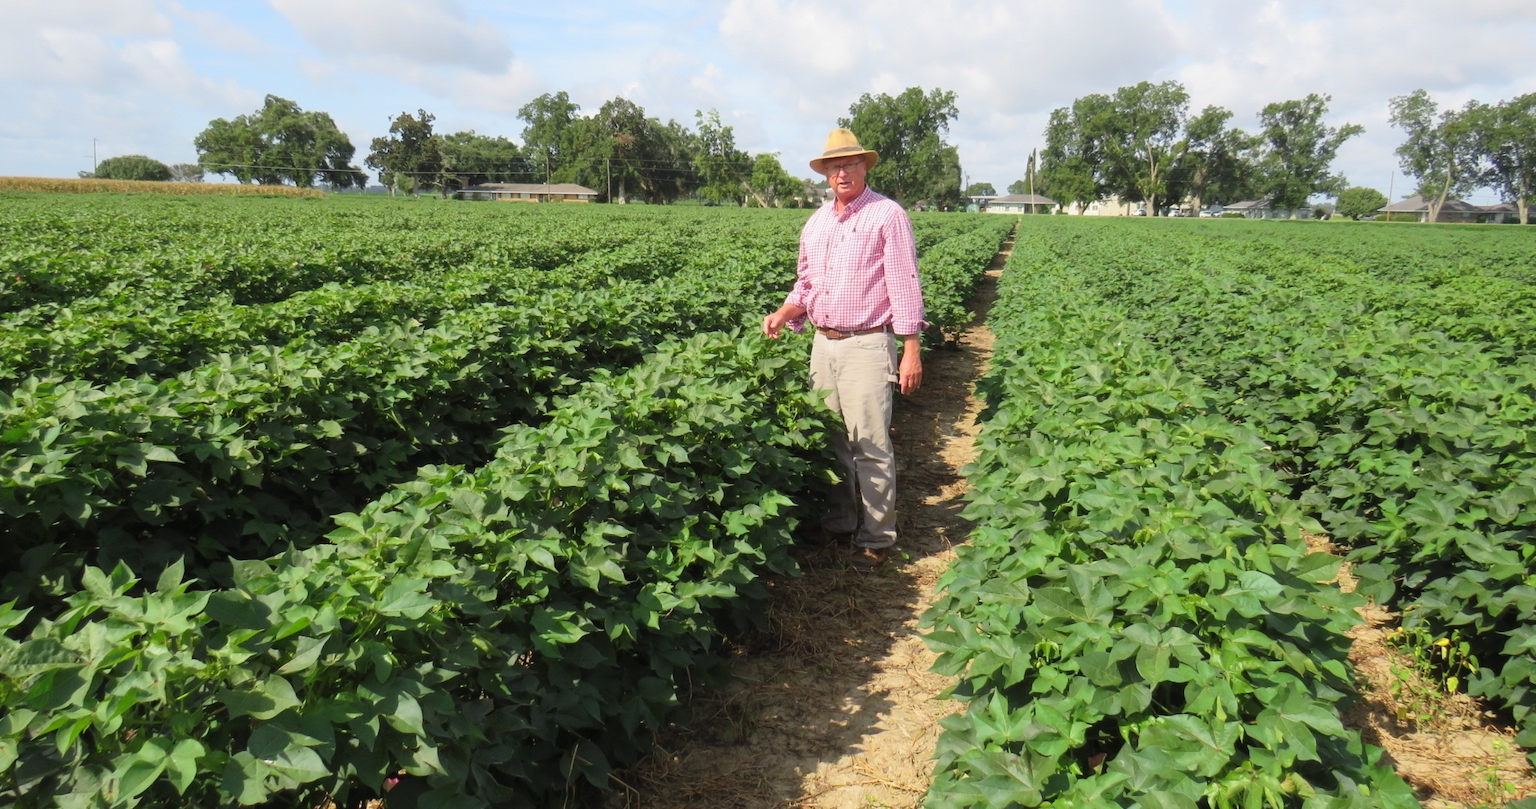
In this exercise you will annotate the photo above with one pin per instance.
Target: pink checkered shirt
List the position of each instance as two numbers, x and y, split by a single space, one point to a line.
858 270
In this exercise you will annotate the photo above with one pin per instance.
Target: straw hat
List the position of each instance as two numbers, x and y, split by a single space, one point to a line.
842 143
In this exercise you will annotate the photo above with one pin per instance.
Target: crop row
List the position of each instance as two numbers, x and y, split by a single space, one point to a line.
498 636
147 336
1415 448
260 447
952 268
89 254
1135 620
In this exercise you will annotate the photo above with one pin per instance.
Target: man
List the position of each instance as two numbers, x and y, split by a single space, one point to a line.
858 286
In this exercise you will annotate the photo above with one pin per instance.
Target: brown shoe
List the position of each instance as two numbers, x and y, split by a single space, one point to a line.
865 560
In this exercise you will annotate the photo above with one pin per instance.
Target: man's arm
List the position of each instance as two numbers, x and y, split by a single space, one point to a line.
911 374
774 323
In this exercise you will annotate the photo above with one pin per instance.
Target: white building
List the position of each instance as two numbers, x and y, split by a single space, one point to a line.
1020 204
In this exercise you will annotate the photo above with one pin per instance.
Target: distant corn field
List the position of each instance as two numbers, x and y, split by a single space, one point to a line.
55 185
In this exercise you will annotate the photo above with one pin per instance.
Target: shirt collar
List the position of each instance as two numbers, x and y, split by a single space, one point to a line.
854 205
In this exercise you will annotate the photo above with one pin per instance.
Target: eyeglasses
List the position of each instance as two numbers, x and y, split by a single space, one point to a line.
838 168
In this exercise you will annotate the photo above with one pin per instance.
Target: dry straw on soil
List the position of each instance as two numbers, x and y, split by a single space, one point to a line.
55 185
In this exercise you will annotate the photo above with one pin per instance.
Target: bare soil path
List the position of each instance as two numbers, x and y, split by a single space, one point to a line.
835 707
1453 752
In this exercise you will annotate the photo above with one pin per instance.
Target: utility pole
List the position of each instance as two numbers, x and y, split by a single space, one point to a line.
1390 183
93 155
608 171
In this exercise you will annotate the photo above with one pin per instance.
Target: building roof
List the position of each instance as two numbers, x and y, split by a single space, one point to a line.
1024 199
1249 205
1416 204
532 188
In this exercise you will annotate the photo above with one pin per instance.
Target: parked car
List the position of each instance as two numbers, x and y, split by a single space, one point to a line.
1139 212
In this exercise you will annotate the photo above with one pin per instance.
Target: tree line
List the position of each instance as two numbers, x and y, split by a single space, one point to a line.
618 151
1141 144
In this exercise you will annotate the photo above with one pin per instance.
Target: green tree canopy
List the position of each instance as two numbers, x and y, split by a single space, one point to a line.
621 152
773 186
1506 135
983 190
1138 144
916 164
1297 151
472 159
1143 139
725 171
547 136
1220 164
132 167
1360 201
409 157
279 143
1069 166
1441 148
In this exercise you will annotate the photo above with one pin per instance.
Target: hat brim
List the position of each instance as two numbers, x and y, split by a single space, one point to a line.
871 157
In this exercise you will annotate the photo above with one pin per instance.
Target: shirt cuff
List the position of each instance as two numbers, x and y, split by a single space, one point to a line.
908 327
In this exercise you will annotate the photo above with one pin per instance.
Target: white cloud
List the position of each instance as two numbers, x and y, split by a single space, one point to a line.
427 32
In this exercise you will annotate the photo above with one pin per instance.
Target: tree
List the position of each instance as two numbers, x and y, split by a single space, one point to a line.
132 167
186 173
1506 136
409 157
907 131
547 136
1143 139
1219 164
1032 182
1360 201
1441 149
622 152
984 190
1298 149
1069 167
724 170
279 143
472 159
773 185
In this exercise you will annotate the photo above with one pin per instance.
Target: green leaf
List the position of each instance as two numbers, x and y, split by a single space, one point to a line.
404 715
170 578
138 776
264 700
37 656
182 763
405 598
305 656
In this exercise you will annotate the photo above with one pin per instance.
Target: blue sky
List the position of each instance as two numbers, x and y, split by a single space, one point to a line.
145 76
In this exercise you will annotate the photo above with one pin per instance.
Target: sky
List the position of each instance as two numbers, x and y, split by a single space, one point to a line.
145 76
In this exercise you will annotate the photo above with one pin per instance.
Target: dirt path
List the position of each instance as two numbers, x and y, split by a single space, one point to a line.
1451 750
835 707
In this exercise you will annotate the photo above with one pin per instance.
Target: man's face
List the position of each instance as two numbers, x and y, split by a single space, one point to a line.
846 176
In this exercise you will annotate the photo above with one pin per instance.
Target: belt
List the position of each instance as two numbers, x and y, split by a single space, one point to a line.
834 334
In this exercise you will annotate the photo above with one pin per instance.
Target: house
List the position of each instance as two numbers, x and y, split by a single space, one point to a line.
1265 209
1455 210
528 192
1020 203
1109 206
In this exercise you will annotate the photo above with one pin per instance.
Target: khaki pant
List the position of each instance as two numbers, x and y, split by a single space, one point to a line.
858 374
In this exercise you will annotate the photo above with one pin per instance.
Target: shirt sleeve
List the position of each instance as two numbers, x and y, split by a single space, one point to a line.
901 281
796 296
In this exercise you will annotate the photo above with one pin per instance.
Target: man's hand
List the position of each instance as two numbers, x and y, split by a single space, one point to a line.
911 364
774 324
